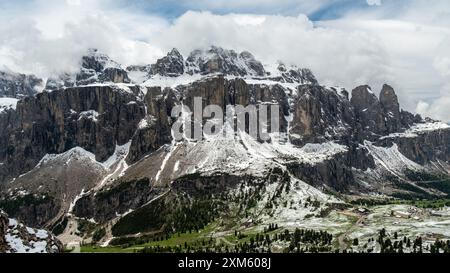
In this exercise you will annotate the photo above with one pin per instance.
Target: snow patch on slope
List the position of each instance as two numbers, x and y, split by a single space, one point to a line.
172 82
22 239
91 114
419 128
78 197
244 154
390 159
116 164
298 203
76 153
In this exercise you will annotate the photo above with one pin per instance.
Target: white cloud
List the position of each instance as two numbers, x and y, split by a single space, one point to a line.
73 2
332 54
438 109
374 2
55 36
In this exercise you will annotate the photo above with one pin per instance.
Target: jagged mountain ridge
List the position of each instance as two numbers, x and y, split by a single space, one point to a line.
217 60
96 67
331 141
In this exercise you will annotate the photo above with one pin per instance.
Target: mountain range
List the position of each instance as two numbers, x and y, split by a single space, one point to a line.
90 155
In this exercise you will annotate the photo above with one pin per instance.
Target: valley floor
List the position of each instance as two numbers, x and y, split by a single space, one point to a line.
380 228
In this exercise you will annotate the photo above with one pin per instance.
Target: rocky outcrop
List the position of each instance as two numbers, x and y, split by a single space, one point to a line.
171 65
252 63
391 109
17 238
335 173
379 117
368 112
15 85
408 119
319 115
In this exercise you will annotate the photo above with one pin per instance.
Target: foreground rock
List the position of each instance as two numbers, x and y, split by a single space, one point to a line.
17 238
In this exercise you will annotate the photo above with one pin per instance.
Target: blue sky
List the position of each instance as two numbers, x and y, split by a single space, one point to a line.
171 9
346 43
315 9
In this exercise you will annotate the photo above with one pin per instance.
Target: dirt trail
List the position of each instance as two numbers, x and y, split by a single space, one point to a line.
69 237
341 239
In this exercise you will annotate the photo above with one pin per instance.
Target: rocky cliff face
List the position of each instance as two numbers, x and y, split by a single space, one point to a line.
95 118
99 146
391 109
422 146
320 115
369 112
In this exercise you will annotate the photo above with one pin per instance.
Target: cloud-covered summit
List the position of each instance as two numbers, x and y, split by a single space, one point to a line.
345 43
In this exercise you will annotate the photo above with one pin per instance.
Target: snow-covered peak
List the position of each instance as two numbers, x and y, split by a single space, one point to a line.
98 61
290 74
96 67
172 65
175 54
219 60
201 63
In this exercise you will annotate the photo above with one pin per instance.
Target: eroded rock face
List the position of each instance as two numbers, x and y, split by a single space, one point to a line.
423 148
334 173
320 115
368 112
17 238
155 129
